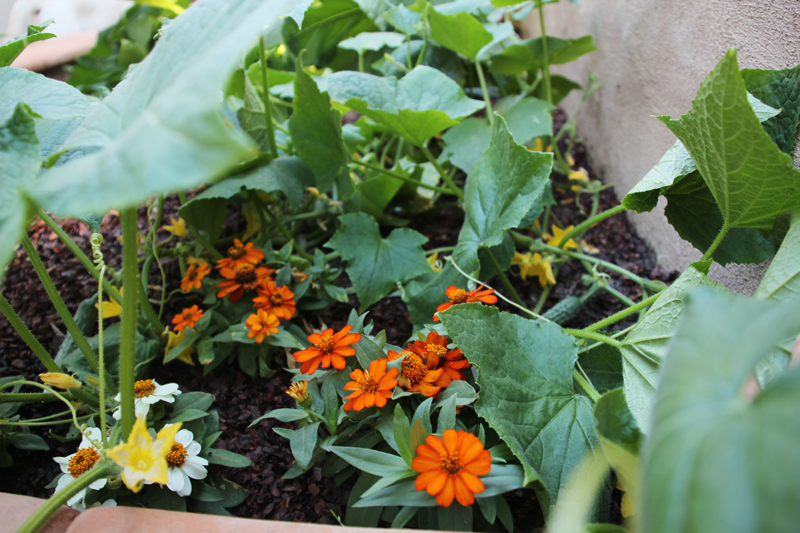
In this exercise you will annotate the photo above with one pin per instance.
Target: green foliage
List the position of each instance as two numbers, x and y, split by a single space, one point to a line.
526 392
779 89
12 49
377 264
528 55
710 446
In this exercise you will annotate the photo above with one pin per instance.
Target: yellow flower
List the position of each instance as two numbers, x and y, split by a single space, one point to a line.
576 188
627 503
538 145
570 160
143 459
534 266
197 261
578 175
433 261
178 227
174 339
112 308
60 381
558 234
588 248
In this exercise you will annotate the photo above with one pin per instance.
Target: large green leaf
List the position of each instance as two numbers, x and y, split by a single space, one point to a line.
460 32
526 390
526 118
424 294
528 55
374 41
645 347
161 128
376 264
693 212
717 462
20 161
751 179
603 365
503 186
11 50
419 106
316 130
779 89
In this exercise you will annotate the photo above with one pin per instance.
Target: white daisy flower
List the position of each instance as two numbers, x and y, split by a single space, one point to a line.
79 462
148 392
183 463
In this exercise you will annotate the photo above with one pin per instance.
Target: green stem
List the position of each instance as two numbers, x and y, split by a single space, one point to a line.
40 516
265 98
101 375
159 215
548 93
276 100
361 60
587 387
485 90
281 228
422 52
622 314
714 245
23 331
618 295
127 347
402 177
542 300
502 276
582 333
310 214
24 397
447 179
443 249
260 207
77 252
196 233
589 222
61 308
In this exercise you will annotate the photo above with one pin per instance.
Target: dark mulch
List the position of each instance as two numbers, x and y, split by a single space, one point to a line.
239 399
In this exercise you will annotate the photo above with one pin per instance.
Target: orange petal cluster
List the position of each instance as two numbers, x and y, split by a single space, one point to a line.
416 376
187 318
449 467
434 352
241 278
240 255
276 300
329 349
460 296
373 387
194 276
261 325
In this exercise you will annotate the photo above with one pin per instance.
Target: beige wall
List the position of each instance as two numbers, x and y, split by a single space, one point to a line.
652 56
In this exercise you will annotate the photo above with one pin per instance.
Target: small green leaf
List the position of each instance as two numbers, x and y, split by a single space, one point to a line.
27 441
603 365
356 517
284 415
374 41
528 55
527 396
225 458
447 416
377 264
316 130
11 50
779 89
402 434
422 104
403 19
302 442
460 32
372 461
646 345
751 179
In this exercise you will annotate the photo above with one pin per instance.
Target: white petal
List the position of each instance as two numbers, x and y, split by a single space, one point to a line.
169 388
187 485
184 437
150 400
77 498
117 414
193 448
166 398
118 397
176 479
63 462
140 408
63 481
108 503
193 470
99 484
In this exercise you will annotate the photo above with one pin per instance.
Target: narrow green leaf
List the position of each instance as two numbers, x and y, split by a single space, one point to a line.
402 434
302 442
447 416
284 415
372 461
226 458
374 41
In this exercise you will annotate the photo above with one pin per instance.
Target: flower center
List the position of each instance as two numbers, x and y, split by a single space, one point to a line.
414 368
82 461
459 296
451 463
187 316
437 348
367 383
177 456
245 275
275 300
236 252
326 344
144 387
191 274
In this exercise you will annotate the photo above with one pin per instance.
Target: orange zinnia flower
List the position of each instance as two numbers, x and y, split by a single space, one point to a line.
449 467
415 376
243 277
261 325
435 353
188 318
328 348
371 388
276 300
239 255
194 276
460 296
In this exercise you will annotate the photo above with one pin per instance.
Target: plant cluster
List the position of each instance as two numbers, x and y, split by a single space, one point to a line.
344 121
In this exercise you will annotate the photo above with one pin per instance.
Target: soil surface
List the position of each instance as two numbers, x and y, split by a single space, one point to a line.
240 399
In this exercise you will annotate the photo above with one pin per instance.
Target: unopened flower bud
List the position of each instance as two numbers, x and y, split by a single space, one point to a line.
299 391
60 381
93 381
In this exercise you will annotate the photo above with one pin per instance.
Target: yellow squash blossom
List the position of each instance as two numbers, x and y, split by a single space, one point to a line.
143 459
112 307
177 228
433 261
558 234
173 340
534 265
60 381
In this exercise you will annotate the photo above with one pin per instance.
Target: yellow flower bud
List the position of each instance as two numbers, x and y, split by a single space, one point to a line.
60 381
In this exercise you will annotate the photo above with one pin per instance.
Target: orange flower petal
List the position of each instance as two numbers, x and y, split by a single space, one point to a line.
472 482
438 482
445 497
464 496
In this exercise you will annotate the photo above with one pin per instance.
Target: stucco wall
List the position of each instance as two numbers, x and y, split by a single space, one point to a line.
652 56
